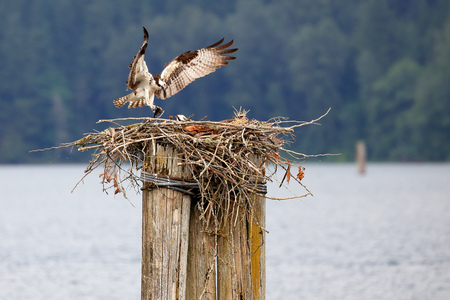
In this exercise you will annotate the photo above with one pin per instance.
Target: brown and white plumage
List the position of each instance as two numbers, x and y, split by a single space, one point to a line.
177 74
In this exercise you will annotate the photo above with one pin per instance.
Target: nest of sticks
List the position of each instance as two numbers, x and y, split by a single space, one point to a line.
226 159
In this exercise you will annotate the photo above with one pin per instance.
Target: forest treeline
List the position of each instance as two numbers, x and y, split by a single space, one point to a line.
383 66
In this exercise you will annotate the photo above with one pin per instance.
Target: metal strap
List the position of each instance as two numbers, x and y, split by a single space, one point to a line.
169 183
186 187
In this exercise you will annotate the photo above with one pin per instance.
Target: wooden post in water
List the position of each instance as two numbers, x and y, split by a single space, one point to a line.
201 271
241 254
361 156
257 240
165 229
241 257
183 260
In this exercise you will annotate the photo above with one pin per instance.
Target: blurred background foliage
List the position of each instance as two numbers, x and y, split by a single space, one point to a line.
383 66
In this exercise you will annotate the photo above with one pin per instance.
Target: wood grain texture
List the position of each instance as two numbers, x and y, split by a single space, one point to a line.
184 259
241 255
257 241
201 260
165 231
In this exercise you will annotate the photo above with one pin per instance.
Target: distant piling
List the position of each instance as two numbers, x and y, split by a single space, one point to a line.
361 156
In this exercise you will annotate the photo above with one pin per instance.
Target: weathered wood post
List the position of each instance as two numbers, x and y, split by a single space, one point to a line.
183 258
201 271
241 254
165 229
241 248
361 156
257 242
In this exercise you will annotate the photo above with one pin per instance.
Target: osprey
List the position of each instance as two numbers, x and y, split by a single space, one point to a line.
177 74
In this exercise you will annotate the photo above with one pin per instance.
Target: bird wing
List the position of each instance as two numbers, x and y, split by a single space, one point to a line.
138 67
191 65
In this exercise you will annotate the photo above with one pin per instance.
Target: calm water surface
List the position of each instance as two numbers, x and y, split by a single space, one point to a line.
385 235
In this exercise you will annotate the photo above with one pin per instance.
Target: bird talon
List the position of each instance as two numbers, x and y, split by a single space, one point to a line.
157 111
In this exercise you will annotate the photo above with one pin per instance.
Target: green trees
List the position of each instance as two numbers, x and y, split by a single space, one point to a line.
430 113
391 98
382 66
404 89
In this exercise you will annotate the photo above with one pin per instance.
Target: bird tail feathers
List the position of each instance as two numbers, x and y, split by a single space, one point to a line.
134 104
132 98
119 102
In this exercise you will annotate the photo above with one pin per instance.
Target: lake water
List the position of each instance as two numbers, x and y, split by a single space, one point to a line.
384 235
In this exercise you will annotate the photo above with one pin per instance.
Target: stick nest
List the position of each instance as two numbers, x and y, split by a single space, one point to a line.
226 159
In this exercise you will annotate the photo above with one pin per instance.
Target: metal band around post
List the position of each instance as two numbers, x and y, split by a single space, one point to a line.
169 183
186 187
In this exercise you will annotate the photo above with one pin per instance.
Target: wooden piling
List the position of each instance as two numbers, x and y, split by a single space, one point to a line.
165 230
182 258
361 156
201 270
241 254
257 240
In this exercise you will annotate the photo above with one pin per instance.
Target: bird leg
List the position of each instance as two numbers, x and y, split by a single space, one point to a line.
157 111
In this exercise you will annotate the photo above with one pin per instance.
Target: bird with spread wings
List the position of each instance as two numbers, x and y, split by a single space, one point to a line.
176 75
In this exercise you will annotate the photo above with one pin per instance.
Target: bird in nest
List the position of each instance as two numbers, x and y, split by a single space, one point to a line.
176 75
